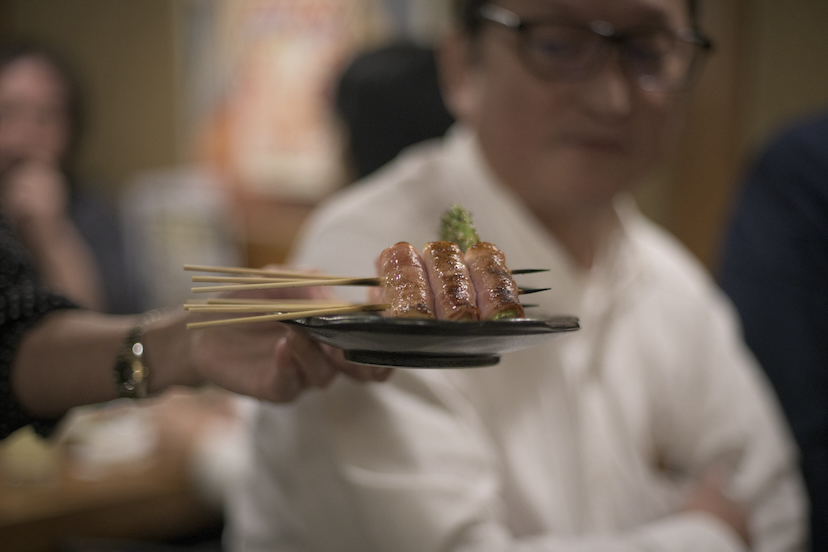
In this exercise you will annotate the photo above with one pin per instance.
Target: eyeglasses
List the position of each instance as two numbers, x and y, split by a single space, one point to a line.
657 60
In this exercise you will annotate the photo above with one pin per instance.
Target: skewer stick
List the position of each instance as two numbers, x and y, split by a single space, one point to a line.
263 280
310 283
266 307
292 284
241 308
307 303
246 279
296 274
287 316
526 291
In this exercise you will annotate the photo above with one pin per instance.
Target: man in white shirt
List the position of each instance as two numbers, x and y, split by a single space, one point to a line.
649 429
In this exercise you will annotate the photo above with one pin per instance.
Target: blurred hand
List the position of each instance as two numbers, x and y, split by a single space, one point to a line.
270 360
709 497
34 191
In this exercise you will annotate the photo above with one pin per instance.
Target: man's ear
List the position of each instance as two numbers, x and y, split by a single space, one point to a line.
455 64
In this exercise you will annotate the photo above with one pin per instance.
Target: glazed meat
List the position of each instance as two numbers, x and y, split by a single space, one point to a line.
497 293
454 294
405 285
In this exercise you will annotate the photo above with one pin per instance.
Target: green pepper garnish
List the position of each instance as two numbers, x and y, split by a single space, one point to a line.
456 226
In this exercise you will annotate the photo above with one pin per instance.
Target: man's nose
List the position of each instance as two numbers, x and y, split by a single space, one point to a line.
608 93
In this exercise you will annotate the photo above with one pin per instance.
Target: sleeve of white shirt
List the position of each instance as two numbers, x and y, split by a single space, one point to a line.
723 414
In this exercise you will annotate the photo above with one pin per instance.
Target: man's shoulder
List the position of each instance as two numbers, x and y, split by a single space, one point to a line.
672 267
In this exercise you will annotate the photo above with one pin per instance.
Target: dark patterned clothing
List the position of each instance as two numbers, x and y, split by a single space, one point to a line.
23 302
775 268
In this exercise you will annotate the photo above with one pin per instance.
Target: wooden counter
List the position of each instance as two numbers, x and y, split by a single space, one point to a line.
148 500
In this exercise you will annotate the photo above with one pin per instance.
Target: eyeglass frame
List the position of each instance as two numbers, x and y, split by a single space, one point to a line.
690 35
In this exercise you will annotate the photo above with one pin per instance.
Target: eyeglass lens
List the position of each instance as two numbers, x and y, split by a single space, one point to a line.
656 60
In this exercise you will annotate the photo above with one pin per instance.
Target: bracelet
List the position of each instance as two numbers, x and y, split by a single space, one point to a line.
131 375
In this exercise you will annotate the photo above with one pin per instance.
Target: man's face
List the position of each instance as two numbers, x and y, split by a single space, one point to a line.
568 145
33 118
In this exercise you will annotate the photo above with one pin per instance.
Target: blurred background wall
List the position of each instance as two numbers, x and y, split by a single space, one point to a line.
123 51
768 70
134 59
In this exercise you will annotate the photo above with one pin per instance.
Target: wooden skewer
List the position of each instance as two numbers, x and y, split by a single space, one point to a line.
295 274
241 308
248 279
310 283
292 284
307 303
265 307
525 291
287 316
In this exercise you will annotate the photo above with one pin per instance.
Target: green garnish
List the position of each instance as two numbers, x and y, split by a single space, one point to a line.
505 315
456 226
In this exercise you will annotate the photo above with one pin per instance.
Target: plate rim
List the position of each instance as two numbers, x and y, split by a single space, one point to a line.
447 328
423 339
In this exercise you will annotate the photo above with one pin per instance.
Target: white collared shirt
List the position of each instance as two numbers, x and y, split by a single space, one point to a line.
586 442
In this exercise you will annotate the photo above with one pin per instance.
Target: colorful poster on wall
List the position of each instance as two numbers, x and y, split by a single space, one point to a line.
264 93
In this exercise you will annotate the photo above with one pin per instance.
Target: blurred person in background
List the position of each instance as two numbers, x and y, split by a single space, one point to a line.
651 428
60 260
71 234
55 353
775 269
388 99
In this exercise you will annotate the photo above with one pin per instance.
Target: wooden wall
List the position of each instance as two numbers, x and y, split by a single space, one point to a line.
768 70
124 53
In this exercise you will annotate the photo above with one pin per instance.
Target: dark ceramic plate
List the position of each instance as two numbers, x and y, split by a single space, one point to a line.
431 343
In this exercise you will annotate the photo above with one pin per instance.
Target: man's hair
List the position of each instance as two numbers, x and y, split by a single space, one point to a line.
466 13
